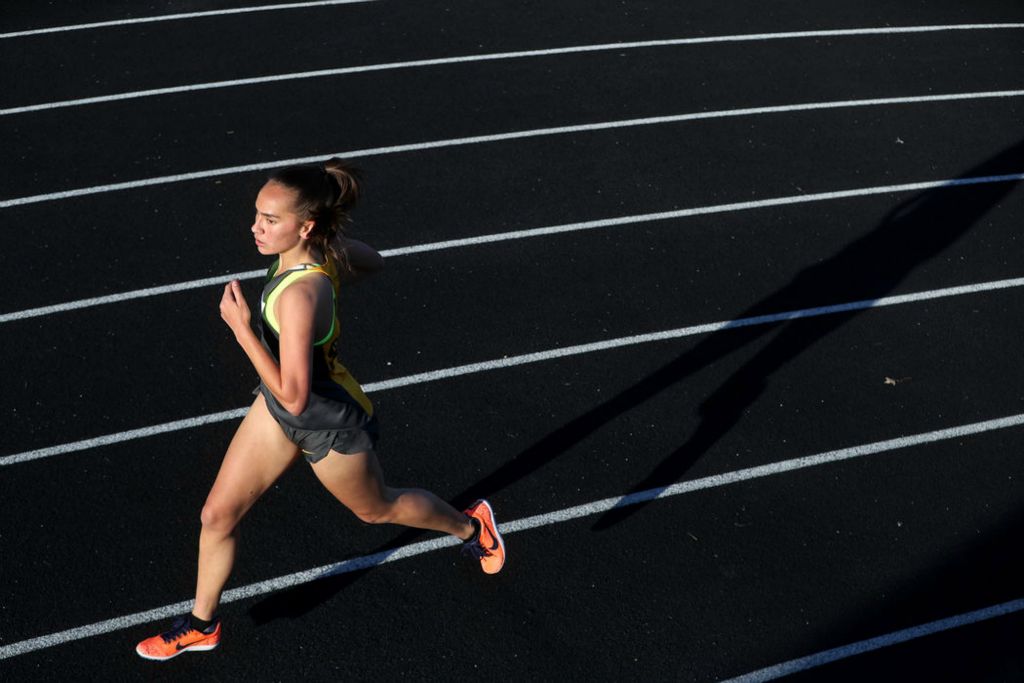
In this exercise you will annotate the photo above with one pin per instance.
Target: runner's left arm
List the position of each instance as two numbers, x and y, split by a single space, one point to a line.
363 260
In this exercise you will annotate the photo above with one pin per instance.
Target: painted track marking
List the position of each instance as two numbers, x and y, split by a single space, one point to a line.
523 234
501 137
547 519
494 56
176 17
524 359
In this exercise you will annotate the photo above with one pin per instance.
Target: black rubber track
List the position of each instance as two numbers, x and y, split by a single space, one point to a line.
701 586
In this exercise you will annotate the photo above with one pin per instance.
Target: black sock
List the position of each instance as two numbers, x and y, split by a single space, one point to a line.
476 530
200 624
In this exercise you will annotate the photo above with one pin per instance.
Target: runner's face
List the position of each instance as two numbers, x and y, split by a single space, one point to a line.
276 227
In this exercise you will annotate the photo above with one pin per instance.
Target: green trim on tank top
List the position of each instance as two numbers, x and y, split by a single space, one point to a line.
286 280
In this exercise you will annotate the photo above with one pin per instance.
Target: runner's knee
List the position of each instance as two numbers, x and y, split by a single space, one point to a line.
218 517
379 513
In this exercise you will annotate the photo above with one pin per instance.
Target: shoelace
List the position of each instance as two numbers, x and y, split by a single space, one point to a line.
180 627
476 550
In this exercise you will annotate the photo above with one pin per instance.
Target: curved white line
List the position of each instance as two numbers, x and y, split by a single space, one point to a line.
418 63
536 357
175 17
577 512
522 234
500 137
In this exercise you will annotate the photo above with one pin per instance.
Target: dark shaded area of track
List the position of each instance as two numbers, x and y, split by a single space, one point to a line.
698 587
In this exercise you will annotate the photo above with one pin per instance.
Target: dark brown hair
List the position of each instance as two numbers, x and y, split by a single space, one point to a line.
325 193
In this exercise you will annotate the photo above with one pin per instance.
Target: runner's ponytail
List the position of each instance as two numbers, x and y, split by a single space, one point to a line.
325 194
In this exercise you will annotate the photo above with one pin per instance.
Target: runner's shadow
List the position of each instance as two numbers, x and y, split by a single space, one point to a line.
912 233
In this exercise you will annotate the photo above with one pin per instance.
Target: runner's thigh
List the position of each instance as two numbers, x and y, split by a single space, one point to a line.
355 480
258 454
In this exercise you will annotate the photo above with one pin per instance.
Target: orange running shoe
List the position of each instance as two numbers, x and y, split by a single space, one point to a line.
487 545
181 638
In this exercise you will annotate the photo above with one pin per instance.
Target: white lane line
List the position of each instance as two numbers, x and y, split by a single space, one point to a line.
537 357
492 56
524 234
500 137
130 435
708 39
547 519
176 17
128 296
793 666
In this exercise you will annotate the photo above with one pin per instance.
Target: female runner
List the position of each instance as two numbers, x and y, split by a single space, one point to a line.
307 401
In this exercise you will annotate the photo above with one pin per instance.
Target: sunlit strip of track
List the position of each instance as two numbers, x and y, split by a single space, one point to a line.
493 56
525 234
524 359
542 520
501 137
176 17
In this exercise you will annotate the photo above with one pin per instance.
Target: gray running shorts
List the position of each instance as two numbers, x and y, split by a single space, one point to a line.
353 430
316 444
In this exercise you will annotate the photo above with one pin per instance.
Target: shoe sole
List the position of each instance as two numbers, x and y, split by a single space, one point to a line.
190 648
497 534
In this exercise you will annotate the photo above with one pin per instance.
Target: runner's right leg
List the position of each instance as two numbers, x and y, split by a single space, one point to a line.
258 454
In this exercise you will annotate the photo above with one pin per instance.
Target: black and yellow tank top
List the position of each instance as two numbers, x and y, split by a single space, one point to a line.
333 386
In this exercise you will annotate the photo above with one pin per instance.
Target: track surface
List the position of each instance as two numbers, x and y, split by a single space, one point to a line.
701 586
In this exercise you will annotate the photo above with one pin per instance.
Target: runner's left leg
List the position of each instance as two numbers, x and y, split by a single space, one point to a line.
357 481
